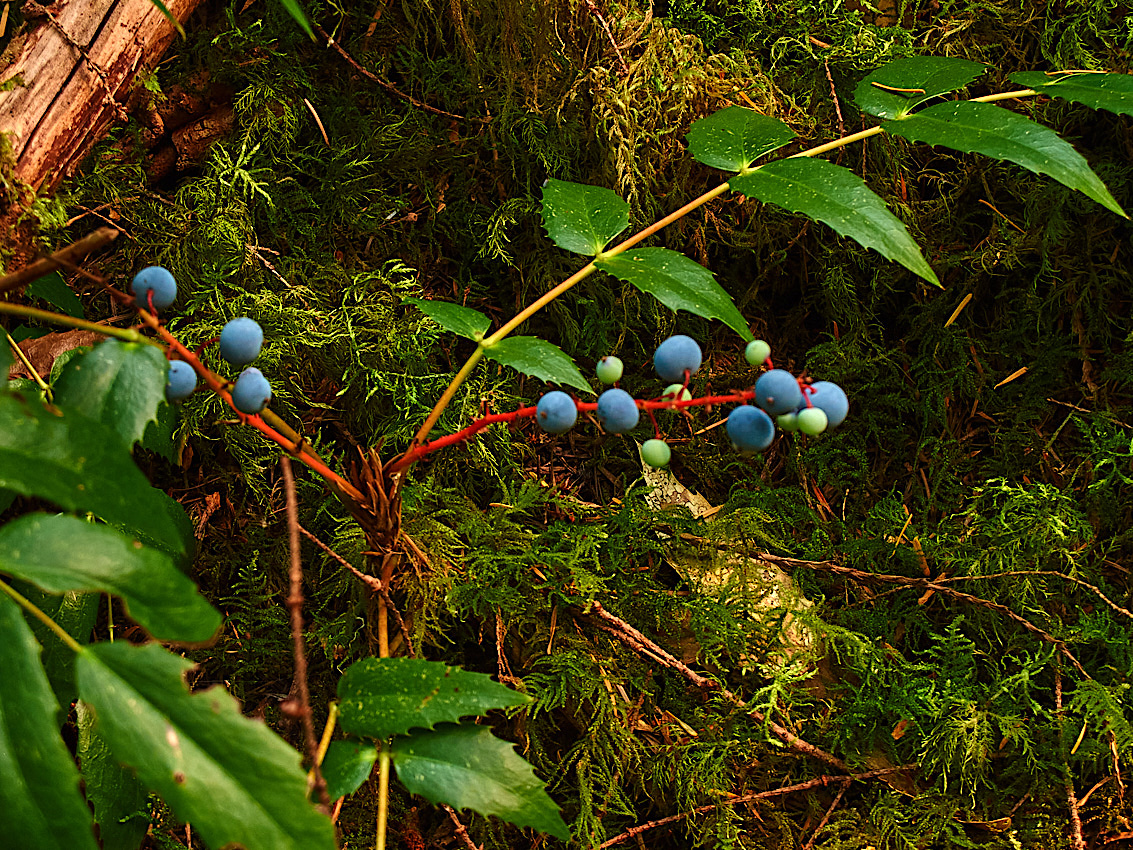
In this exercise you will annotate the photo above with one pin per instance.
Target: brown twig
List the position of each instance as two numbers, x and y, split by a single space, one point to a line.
369 75
62 257
821 781
1077 842
300 705
637 641
837 799
1053 574
460 829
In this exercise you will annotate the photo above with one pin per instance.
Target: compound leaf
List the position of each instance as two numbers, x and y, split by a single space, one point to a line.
118 799
454 318
118 383
677 282
232 777
835 196
895 89
734 137
346 766
39 796
582 218
379 697
467 767
81 465
60 553
1112 92
996 132
538 358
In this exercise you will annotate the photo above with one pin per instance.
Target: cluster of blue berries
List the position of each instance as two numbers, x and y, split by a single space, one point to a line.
240 343
807 407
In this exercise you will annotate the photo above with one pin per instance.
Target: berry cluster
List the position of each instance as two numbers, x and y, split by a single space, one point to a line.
240 343
797 405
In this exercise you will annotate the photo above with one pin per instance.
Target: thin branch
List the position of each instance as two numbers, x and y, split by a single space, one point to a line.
61 258
460 829
1053 574
300 706
1077 842
826 817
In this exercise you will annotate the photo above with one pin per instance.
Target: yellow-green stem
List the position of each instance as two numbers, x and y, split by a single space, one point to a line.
383 794
19 352
34 610
446 397
125 334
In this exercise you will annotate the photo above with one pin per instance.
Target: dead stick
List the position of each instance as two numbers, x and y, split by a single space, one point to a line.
302 709
635 831
63 257
460 829
837 799
1077 842
639 642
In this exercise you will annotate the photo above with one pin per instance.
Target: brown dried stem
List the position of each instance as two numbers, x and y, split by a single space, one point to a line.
63 258
1077 842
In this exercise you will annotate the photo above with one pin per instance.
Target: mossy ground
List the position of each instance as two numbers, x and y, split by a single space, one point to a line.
318 240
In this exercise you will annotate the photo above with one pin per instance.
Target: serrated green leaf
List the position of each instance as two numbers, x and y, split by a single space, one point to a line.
63 553
232 777
677 282
1112 92
734 137
467 767
453 317
158 436
296 12
379 697
40 802
81 465
118 799
538 358
921 78
346 766
118 383
76 613
839 198
582 219
999 133
54 290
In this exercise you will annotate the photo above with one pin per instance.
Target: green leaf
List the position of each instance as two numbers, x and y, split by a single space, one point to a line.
6 358
677 282
538 358
161 7
232 777
735 137
296 11
835 196
379 697
921 77
40 803
76 613
468 767
346 766
453 317
54 290
119 800
1112 92
118 383
81 465
158 437
63 553
1000 133
582 219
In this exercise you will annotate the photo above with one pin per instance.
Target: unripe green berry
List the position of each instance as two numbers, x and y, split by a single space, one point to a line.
812 420
788 421
610 369
656 453
678 392
757 351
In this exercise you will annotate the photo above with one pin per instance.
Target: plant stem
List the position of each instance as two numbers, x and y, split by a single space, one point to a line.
124 334
39 382
34 610
383 794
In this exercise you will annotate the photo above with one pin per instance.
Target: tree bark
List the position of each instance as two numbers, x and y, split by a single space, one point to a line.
78 62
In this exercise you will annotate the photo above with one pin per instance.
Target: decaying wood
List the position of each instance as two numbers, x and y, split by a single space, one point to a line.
77 62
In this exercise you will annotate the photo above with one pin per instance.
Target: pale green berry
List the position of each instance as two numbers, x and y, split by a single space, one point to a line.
757 351
812 420
678 392
609 369
656 453
788 421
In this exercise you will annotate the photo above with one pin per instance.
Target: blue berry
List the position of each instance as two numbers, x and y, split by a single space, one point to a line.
180 380
617 411
610 369
811 420
160 281
757 351
831 398
656 453
676 355
555 412
240 341
252 391
750 429
778 392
